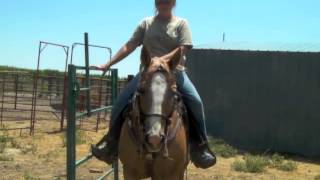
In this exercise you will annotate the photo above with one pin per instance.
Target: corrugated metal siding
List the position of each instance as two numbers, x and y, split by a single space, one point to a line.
267 46
260 100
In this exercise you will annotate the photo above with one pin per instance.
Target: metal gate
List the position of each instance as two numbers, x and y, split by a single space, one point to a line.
73 91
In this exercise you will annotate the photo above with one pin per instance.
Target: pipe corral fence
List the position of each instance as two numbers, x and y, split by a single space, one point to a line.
73 97
31 97
74 89
260 100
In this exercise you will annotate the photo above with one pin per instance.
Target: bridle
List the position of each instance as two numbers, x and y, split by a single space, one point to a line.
167 119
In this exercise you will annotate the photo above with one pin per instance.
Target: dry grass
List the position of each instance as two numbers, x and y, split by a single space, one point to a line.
317 177
44 157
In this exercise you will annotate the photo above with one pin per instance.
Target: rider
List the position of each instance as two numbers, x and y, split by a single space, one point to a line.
160 34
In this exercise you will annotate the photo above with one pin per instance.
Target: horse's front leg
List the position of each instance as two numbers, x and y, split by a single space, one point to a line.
129 175
174 176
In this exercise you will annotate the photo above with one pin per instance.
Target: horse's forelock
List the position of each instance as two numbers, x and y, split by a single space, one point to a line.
148 72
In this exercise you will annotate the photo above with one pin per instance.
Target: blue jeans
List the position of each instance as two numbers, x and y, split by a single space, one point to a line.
189 94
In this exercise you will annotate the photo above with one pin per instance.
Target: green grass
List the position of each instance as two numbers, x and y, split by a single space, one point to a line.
45 72
221 148
29 176
279 162
4 139
4 157
276 159
258 163
238 165
317 177
3 143
252 164
287 166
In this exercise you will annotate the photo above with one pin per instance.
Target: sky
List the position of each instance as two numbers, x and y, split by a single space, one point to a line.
111 23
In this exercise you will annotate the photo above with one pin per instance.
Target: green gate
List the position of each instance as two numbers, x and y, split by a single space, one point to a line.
73 91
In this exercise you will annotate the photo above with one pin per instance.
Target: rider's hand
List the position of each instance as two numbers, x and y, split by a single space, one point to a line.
103 67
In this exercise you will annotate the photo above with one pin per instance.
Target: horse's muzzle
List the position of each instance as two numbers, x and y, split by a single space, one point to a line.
154 142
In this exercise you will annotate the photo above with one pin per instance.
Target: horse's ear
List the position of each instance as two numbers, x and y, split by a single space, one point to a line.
145 57
175 60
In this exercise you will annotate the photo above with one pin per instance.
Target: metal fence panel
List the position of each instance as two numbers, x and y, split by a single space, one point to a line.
260 100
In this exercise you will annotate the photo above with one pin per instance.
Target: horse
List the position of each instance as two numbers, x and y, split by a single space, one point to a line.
154 136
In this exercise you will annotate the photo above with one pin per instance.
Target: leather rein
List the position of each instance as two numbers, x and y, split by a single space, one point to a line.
169 135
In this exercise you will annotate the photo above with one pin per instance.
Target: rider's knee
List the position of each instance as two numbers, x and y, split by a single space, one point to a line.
193 101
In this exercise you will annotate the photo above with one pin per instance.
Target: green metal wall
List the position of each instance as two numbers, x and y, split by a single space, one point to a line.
260 100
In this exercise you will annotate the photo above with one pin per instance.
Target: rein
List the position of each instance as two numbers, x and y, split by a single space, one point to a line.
169 135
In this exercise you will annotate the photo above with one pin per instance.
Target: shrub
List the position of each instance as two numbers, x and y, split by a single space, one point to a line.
252 164
317 177
4 140
256 163
279 162
29 176
276 160
238 165
3 143
221 148
287 166
4 157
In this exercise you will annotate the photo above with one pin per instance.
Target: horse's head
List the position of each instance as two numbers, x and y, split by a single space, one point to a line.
157 100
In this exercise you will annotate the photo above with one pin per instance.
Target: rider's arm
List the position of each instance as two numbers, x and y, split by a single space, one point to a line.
135 41
123 52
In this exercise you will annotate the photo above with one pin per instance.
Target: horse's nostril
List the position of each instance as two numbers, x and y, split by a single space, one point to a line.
154 140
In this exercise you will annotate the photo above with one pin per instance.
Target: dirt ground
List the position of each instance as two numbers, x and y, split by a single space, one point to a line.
43 156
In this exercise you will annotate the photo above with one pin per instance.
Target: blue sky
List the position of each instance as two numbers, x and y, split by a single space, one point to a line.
24 23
